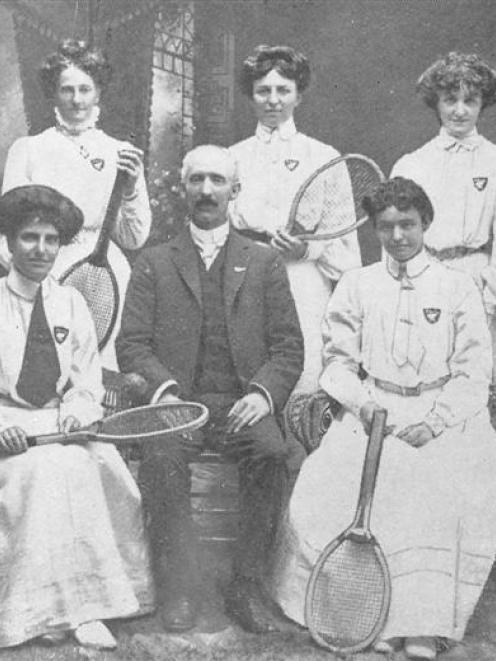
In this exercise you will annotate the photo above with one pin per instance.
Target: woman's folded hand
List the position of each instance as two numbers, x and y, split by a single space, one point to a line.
13 440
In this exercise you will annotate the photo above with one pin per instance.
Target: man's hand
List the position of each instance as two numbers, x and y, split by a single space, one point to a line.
70 423
247 411
367 413
130 160
13 440
416 435
290 247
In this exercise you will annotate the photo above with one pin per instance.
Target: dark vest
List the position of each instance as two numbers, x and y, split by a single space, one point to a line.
215 371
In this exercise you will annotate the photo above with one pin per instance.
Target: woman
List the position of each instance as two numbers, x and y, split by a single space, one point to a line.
457 169
72 550
434 510
81 161
272 165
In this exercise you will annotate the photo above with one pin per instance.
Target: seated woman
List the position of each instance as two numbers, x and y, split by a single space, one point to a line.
72 550
418 330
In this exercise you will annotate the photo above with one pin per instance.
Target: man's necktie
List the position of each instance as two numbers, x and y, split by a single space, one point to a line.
407 345
40 366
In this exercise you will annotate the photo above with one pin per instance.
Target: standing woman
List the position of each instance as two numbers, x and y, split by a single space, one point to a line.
72 544
272 165
457 169
81 161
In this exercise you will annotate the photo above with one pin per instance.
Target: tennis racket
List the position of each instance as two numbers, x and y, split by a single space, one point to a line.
144 423
349 590
329 203
94 277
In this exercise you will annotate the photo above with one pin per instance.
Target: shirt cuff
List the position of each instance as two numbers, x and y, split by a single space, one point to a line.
257 387
171 386
435 423
314 251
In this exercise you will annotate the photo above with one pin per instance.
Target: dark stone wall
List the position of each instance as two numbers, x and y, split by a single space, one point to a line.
366 56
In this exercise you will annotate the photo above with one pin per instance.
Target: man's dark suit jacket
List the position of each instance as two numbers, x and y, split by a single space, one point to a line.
162 318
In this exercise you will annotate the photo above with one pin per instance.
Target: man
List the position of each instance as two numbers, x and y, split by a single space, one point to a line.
417 328
210 317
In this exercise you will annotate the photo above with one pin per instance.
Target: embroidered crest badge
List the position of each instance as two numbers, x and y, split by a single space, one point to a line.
60 333
432 315
98 163
480 182
291 164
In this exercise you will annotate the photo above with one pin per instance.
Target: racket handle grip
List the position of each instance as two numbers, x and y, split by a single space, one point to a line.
46 439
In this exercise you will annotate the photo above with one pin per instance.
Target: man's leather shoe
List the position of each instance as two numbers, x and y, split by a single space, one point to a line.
245 603
179 614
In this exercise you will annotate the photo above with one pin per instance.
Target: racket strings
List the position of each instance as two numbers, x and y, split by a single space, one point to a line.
97 287
150 419
332 201
347 601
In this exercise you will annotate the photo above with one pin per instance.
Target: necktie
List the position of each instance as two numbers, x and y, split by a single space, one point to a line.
407 345
40 365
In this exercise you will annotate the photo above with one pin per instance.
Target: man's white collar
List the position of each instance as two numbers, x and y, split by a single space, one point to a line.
216 236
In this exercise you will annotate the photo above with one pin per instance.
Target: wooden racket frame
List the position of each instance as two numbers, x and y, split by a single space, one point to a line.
98 257
359 531
94 433
311 236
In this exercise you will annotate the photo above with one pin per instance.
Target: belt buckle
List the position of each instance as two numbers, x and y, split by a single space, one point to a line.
411 391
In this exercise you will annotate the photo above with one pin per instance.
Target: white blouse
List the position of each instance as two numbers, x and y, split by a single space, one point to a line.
75 341
459 176
83 168
272 166
359 329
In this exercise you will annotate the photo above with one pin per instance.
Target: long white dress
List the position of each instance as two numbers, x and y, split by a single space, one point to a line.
83 168
72 542
272 166
434 510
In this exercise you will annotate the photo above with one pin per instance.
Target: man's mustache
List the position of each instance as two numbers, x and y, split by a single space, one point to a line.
205 201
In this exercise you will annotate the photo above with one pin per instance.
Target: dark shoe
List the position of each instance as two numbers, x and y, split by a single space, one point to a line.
179 614
245 603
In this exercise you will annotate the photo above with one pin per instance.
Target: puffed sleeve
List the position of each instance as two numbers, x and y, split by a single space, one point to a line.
335 256
16 173
465 394
134 219
17 165
83 398
342 335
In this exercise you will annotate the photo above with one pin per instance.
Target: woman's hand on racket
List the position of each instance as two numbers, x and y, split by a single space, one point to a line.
291 248
130 161
13 440
416 435
247 411
68 424
367 413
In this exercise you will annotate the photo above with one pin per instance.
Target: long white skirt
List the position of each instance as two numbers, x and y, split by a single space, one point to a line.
72 543
311 292
434 514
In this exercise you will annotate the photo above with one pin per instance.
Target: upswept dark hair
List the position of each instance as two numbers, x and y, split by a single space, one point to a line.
454 70
285 60
72 52
20 205
400 193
